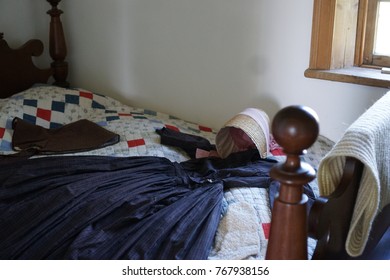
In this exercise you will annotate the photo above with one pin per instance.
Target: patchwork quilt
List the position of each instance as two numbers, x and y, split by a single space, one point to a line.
52 107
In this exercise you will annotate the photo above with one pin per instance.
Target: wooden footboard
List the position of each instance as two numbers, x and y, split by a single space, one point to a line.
295 128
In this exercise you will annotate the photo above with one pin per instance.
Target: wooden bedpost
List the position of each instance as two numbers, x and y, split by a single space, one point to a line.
57 46
295 128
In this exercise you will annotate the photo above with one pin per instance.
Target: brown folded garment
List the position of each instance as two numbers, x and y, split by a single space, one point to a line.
79 136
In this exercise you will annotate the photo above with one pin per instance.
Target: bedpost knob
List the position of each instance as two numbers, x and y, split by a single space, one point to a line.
295 128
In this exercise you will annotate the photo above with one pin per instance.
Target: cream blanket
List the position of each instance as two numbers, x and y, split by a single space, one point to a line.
367 139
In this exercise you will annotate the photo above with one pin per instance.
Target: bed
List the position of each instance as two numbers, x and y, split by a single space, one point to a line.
143 196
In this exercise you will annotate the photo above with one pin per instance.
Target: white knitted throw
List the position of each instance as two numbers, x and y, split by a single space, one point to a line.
368 140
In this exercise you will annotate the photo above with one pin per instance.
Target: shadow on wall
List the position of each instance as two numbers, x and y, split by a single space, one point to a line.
268 104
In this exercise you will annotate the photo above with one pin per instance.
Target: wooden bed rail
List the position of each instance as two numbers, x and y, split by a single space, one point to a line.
57 45
295 128
330 217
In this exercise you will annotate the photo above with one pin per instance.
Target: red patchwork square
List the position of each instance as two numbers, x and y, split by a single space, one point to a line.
2 131
266 229
44 114
135 143
172 127
205 128
85 94
124 115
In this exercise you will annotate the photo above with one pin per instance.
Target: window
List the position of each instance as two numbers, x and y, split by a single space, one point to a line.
382 40
349 41
376 50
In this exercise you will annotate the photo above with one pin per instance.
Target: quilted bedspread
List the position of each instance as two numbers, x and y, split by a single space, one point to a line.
244 228
52 107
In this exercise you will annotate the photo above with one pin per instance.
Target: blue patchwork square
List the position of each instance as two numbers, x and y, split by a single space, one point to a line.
140 117
8 124
29 118
97 105
72 99
150 112
6 146
112 118
102 123
30 102
55 125
58 106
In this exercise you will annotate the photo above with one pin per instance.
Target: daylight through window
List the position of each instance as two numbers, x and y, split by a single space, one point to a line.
382 38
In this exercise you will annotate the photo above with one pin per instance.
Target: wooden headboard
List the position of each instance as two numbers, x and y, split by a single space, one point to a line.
17 70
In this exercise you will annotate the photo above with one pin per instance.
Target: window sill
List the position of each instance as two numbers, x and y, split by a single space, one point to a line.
354 75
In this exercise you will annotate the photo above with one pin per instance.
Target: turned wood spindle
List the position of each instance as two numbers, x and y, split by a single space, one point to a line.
57 45
295 128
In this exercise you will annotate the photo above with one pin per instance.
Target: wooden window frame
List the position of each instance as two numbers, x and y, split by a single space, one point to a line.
366 24
337 44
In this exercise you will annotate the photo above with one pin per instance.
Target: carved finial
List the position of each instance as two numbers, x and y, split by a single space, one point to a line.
295 128
54 11
1 35
54 3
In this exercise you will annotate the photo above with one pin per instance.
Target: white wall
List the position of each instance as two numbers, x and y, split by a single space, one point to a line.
202 60
21 20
